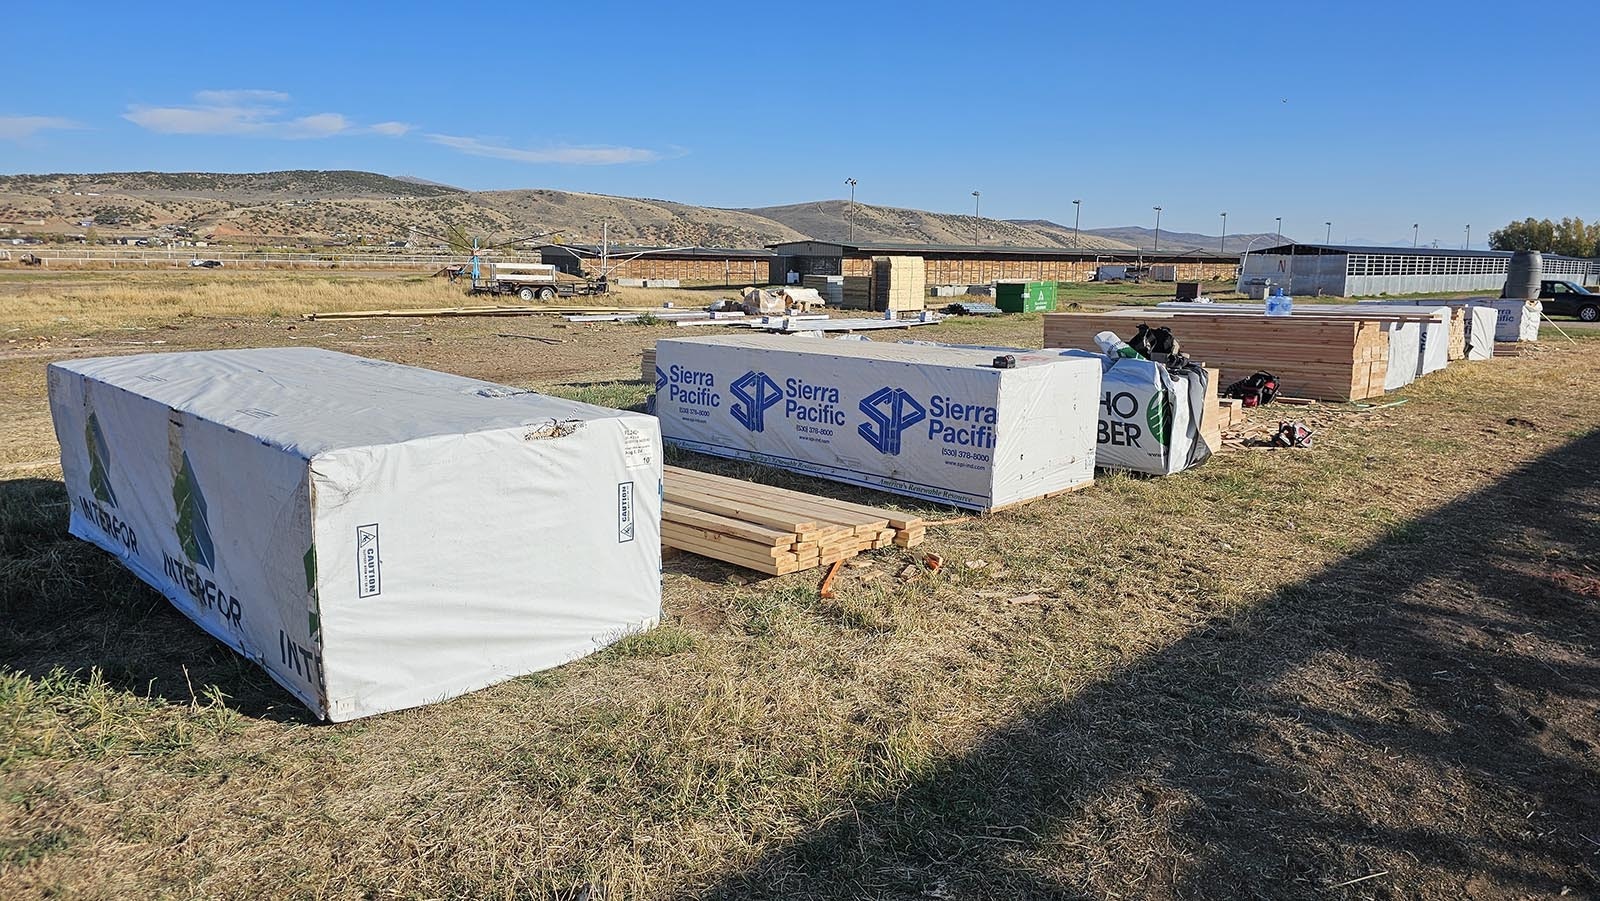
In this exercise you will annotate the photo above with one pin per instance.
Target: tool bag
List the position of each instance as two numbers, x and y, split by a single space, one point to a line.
1256 391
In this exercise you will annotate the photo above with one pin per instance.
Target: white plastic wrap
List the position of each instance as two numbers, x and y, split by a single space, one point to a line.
931 422
375 536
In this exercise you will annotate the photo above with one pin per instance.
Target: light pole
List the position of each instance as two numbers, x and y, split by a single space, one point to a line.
1468 245
1157 248
1279 239
975 219
852 183
1413 236
1077 216
1328 239
1223 247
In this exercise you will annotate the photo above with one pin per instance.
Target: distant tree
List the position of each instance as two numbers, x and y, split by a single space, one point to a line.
458 239
92 236
1570 237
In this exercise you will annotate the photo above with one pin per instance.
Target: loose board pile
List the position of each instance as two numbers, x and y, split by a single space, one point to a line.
772 530
1327 358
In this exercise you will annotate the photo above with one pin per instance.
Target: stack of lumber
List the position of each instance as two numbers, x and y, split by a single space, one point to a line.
1458 333
647 366
772 530
899 284
1336 358
1215 415
831 287
858 292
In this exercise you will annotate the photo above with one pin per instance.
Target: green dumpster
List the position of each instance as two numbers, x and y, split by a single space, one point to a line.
1025 297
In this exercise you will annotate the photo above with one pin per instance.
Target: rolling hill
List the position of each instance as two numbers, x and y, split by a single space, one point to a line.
332 207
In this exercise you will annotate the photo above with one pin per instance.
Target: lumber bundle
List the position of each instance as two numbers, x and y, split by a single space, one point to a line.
772 530
1216 414
1458 333
647 366
1336 358
899 284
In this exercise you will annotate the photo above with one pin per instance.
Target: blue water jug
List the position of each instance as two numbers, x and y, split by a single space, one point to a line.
1279 304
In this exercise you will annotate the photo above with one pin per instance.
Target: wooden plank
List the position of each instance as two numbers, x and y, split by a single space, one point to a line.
695 540
727 525
893 518
749 512
777 498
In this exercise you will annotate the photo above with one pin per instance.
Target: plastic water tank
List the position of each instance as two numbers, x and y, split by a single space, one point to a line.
1523 275
1279 303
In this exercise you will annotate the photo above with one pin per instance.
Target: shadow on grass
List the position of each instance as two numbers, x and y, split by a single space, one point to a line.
65 604
1425 709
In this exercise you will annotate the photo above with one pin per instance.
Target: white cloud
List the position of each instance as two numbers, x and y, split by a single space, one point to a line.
320 125
392 129
16 128
240 97
577 156
238 112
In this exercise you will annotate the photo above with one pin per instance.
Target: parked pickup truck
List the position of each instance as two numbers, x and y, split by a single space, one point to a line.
1564 298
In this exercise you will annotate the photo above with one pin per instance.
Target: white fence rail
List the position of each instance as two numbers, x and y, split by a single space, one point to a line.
137 257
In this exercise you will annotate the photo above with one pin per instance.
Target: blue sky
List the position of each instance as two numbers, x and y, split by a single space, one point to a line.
1372 116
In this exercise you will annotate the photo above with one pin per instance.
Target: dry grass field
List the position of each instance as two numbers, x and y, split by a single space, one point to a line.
1365 670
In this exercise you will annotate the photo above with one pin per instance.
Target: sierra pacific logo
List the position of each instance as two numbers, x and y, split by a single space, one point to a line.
194 529
890 411
661 379
755 394
99 462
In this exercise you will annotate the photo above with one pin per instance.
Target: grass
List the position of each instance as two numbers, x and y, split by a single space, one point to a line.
1191 705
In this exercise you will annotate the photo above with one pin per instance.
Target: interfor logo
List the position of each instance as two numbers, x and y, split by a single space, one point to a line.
756 394
194 527
99 462
891 411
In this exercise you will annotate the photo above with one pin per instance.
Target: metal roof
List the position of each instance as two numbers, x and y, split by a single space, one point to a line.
1293 249
887 248
628 250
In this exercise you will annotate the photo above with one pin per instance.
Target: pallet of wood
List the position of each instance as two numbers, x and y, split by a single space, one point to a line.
899 284
1335 358
771 530
647 366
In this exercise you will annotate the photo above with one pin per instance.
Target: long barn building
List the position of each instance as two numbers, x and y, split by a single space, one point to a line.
1351 270
958 264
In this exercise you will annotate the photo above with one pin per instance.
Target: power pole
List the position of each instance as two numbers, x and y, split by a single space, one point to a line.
852 215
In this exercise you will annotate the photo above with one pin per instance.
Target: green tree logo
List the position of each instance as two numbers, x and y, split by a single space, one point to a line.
1159 418
99 462
194 530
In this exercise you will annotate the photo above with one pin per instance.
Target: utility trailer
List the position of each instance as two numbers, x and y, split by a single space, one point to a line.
531 281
